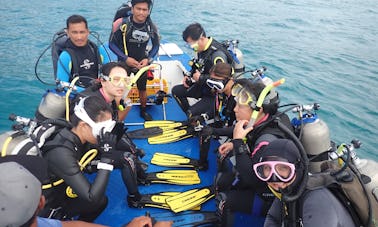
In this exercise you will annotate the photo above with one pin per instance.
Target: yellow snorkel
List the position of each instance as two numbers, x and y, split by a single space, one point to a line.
261 98
134 80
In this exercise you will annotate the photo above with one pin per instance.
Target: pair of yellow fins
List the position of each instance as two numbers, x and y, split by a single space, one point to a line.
178 201
172 131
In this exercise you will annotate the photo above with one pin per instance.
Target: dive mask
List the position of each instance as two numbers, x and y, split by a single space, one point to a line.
243 97
275 170
216 84
116 80
80 112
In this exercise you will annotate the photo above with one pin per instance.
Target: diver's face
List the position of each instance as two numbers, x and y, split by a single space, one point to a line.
78 34
242 112
278 186
140 12
116 85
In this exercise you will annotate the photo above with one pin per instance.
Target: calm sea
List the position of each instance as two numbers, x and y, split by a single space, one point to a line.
326 50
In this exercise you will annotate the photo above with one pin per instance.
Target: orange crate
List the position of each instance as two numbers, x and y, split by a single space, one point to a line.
153 86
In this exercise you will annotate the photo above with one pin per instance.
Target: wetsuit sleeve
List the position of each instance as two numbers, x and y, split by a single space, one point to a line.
63 163
273 218
104 55
116 42
155 42
218 56
64 66
227 131
244 162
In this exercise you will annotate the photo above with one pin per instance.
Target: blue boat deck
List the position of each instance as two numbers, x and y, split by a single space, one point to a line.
117 212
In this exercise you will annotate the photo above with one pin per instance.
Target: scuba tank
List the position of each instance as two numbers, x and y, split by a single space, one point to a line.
313 134
52 105
237 55
367 167
18 141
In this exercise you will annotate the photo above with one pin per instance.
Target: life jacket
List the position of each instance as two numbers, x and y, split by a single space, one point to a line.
348 189
62 43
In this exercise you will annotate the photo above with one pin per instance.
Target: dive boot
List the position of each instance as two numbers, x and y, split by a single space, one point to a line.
146 116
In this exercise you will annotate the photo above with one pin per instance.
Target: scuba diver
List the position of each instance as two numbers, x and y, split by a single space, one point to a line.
209 52
112 86
282 168
80 56
128 40
237 187
91 123
221 83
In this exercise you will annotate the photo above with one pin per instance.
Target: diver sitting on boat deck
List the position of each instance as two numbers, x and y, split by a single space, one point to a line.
91 123
238 189
80 57
209 52
128 40
282 167
113 82
220 82
21 195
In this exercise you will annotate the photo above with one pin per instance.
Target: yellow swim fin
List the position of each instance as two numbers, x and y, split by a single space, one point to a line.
173 160
189 199
170 136
158 200
180 177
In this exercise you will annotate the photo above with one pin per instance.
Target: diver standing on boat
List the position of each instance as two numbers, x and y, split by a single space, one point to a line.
209 52
81 57
128 40
238 188
113 82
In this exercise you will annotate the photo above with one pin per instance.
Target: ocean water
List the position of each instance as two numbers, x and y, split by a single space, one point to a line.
326 50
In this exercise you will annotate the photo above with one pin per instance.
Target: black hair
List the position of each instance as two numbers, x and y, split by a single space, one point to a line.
75 19
134 2
95 107
194 31
107 68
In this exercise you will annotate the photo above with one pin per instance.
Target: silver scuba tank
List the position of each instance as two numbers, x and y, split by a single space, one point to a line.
53 104
314 135
316 140
16 142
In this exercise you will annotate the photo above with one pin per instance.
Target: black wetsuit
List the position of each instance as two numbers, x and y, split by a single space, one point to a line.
207 58
126 155
137 38
62 154
222 126
237 185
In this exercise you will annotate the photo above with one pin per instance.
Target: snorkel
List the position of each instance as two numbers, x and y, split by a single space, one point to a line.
261 99
133 81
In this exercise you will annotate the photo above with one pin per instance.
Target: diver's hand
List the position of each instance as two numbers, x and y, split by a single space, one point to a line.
107 142
163 224
131 62
140 221
225 148
184 81
143 63
240 132
196 76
